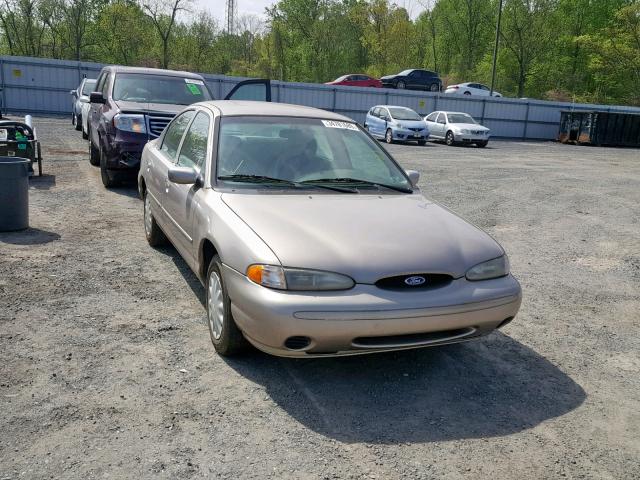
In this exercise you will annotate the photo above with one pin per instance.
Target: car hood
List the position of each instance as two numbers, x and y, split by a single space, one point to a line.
367 237
388 77
145 107
468 126
412 123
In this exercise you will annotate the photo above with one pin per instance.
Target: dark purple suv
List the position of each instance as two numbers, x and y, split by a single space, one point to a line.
133 105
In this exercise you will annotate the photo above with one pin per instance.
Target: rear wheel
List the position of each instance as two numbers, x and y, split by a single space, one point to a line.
84 135
401 85
388 136
434 87
450 139
155 236
225 335
77 122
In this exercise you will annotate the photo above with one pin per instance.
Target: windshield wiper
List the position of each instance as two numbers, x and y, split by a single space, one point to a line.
263 179
349 180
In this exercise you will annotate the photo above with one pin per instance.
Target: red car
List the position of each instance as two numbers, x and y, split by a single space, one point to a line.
356 80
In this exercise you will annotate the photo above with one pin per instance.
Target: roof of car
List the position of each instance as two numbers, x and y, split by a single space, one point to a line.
268 109
153 71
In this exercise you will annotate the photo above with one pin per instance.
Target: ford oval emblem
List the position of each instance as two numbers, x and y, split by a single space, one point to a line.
414 281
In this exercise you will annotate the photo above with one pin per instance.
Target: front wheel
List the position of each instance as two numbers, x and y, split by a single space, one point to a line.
482 144
77 122
422 143
225 335
94 153
388 136
450 139
107 179
401 85
467 93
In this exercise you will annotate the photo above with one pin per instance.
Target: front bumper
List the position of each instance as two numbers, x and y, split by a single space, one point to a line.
470 137
124 150
406 135
367 319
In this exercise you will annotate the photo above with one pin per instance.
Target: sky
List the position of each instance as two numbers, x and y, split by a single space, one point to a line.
256 7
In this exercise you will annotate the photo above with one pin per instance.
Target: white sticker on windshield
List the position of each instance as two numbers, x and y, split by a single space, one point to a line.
335 124
195 81
3 134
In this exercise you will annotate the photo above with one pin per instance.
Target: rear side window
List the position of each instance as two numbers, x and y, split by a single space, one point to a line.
174 133
194 147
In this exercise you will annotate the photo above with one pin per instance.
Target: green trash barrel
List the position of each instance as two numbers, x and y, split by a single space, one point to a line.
14 193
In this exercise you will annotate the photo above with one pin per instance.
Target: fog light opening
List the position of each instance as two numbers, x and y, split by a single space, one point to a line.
505 321
297 343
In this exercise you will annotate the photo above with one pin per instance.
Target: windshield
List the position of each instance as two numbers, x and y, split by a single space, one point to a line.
405 72
399 113
342 78
149 88
460 118
303 150
88 87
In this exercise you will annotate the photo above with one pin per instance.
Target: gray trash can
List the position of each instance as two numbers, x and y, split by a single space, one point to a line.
14 193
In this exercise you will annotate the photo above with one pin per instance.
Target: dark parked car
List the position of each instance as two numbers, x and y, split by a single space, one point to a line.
414 79
356 80
133 105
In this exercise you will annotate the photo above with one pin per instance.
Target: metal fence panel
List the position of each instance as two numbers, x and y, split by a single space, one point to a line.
38 85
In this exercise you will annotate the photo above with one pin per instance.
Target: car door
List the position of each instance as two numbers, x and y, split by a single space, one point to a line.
414 80
440 125
431 123
181 200
374 124
163 155
257 89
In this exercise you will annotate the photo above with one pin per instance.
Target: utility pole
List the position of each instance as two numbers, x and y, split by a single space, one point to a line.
495 50
230 16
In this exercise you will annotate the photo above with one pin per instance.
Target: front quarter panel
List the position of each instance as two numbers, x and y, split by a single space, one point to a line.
235 242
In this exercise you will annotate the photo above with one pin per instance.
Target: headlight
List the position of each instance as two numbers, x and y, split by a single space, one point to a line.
400 125
498 267
130 123
465 131
299 279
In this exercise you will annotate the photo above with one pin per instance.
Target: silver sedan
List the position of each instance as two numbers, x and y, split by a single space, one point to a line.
311 240
456 127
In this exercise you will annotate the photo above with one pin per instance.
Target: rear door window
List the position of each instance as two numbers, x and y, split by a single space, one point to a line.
173 135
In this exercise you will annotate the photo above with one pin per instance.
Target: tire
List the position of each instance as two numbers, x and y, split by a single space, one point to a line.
78 122
94 153
422 143
388 136
467 93
225 335
155 236
107 179
73 119
449 139
482 144
401 85
434 87
84 135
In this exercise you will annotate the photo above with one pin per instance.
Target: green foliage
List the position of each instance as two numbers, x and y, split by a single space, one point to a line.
583 50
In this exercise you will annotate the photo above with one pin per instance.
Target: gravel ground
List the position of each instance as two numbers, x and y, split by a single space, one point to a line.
106 369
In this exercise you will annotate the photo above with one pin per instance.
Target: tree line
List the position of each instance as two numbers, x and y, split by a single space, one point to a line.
575 50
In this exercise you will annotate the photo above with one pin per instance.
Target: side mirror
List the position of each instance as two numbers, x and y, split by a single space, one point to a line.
97 97
184 176
84 99
414 176
72 92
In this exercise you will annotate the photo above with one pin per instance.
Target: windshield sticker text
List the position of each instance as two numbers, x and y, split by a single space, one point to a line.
334 124
194 81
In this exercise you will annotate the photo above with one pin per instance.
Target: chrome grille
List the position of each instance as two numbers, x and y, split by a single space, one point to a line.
416 129
157 124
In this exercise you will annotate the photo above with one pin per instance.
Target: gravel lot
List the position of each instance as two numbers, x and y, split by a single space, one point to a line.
106 369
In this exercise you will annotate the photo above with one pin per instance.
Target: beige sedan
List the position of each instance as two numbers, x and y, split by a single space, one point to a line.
311 240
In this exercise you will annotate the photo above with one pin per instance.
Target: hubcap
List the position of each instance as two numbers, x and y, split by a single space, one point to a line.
215 305
389 137
148 219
